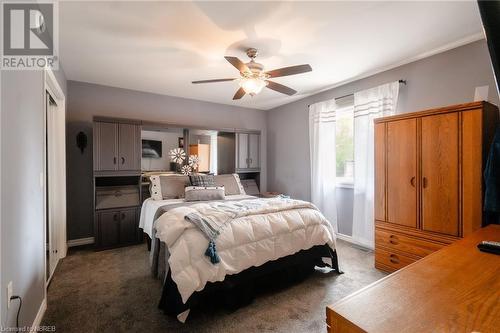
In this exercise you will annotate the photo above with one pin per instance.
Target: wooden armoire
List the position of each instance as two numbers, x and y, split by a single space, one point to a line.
429 179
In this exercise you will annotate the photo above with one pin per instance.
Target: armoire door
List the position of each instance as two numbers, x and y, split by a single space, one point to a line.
440 177
106 141
402 172
242 151
253 151
129 147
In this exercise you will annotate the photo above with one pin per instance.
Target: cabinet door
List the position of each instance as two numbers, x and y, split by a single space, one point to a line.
242 151
380 165
105 146
440 179
402 172
128 226
254 151
108 224
129 147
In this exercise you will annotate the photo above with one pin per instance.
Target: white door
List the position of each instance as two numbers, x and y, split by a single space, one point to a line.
55 183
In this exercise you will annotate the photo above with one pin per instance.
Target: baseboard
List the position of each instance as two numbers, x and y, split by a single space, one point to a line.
349 239
80 241
39 315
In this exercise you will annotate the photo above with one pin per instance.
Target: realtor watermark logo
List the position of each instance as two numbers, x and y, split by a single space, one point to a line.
30 35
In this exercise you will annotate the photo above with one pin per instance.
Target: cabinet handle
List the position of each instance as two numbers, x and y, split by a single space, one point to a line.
424 182
123 160
393 240
394 259
114 160
412 181
115 217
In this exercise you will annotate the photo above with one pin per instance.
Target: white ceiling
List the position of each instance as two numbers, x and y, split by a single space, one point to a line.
161 47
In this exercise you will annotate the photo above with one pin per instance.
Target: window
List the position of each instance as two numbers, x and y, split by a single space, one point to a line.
344 142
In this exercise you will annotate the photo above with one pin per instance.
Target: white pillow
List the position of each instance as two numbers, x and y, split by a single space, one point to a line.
168 186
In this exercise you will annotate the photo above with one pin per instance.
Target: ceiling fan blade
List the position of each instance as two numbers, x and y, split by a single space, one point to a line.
292 70
240 65
280 88
210 81
239 94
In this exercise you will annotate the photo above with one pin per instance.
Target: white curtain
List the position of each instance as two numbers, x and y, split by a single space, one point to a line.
322 154
368 104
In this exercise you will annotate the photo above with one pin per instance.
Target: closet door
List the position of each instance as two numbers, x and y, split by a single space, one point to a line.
106 146
440 177
402 172
129 147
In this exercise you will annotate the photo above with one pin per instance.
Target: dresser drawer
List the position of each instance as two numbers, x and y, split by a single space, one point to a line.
400 242
391 261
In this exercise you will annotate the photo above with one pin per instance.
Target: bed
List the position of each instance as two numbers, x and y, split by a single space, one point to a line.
254 239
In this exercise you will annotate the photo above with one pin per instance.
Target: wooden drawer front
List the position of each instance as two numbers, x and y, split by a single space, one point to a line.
415 246
391 260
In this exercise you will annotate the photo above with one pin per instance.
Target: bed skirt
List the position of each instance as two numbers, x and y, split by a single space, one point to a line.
240 289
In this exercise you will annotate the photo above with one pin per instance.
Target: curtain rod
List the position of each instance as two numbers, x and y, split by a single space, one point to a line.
400 81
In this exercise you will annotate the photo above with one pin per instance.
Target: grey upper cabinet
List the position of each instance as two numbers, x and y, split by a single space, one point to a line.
247 152
129 147
241 151
105 146
117 147
254 151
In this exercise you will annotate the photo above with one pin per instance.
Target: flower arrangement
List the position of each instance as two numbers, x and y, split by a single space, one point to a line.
186 170
194 161
177 155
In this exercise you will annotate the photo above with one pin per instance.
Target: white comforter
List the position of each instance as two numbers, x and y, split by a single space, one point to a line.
150 208
279 228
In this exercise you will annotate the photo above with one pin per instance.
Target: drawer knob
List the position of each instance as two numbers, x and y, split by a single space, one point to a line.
394 259
393 240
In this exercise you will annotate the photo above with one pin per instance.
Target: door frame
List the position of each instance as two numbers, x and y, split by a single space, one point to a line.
54 89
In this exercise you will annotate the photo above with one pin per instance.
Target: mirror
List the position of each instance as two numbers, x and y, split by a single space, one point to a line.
156 145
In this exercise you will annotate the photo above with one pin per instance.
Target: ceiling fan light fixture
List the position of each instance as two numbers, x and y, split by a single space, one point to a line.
252 86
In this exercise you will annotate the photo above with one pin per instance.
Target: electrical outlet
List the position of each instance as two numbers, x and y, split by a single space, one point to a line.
9 293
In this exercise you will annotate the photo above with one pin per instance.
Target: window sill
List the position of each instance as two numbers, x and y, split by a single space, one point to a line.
344 183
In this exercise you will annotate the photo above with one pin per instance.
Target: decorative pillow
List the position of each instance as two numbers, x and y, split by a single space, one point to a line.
231 183
200 179
169 186
206 193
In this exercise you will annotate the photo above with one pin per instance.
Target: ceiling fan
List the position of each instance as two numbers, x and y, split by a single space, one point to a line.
253 78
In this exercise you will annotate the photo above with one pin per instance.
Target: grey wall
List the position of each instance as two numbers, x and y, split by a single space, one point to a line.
443 79
86 100
22 227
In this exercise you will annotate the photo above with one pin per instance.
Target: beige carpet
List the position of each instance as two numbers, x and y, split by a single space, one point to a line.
112 291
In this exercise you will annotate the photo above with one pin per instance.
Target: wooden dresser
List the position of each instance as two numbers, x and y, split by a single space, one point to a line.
428 179
456 289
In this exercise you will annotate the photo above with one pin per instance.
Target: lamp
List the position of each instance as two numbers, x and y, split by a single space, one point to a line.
252 85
